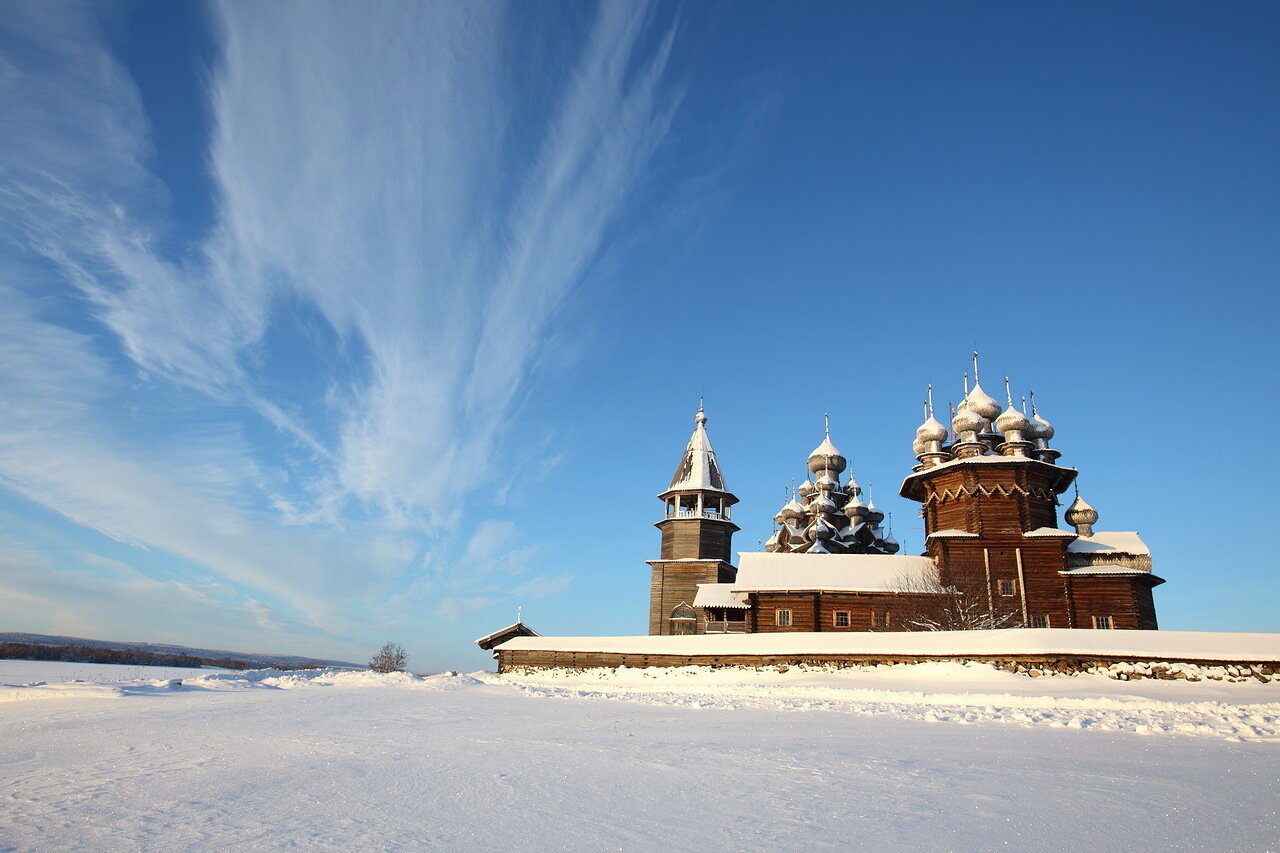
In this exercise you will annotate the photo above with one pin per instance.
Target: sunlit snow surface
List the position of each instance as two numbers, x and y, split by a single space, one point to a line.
934 757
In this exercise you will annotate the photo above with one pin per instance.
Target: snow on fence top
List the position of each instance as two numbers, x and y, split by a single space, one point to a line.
1146 645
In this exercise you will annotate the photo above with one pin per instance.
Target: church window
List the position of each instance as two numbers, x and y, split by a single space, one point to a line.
1102 622
784 618
1006 587
1038 621
841 618
879 619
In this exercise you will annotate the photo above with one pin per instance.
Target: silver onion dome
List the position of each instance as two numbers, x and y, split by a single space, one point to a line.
983 403
1045 427
931 430
1011 420
1081 513
855 509
827 457
1035 430
792 511
966 421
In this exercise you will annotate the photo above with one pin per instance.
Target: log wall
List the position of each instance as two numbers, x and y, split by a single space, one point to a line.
816 611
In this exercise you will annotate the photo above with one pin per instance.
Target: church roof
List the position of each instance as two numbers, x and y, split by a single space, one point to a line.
519 629
1110 542
1050 533
796 572
720 595
698 468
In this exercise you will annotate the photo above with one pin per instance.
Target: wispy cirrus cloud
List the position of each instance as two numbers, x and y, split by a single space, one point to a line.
410 183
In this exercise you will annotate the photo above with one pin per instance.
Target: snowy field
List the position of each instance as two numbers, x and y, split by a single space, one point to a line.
932 757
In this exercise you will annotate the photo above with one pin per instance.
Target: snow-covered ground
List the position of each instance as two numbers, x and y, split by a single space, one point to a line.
935 757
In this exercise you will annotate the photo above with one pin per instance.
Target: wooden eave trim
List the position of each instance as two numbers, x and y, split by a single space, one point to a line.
724 521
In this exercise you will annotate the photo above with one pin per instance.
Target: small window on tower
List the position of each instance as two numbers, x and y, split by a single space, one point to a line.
880 619
1006 587
784 618
1102 621
841 618
1038 621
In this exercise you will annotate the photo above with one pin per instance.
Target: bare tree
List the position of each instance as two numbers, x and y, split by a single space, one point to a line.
390 658
952 609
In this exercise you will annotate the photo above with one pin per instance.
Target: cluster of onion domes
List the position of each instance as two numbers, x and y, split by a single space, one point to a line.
980 428
825 516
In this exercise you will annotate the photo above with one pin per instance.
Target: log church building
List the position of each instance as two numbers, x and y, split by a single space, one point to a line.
994 555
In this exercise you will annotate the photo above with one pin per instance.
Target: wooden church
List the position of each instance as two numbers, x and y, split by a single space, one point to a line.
994 554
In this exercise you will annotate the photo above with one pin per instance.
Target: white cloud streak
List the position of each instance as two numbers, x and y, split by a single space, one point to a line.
387 166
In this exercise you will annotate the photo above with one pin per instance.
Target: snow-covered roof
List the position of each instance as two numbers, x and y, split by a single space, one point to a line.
1110 542
1150 645
984 459
698 468
1049 533
777 572
720 595
516 629
1105 570
951 533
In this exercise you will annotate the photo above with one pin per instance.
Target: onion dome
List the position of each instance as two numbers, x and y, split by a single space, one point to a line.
1037 429
982 403
931 430
890 544
874 515
792 511
827 483
806 489
852 487
966 421
919 447
822 504
826 457
1011 420
1081 516
1044 425
855 509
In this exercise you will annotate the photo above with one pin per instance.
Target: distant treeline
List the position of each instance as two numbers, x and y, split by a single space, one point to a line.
132 657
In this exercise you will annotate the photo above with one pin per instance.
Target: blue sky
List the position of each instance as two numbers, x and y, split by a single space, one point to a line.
328 324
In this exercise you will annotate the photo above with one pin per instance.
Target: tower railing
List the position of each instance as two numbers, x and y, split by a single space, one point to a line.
693 513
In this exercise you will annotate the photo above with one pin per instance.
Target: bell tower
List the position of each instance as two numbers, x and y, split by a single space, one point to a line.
697 534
